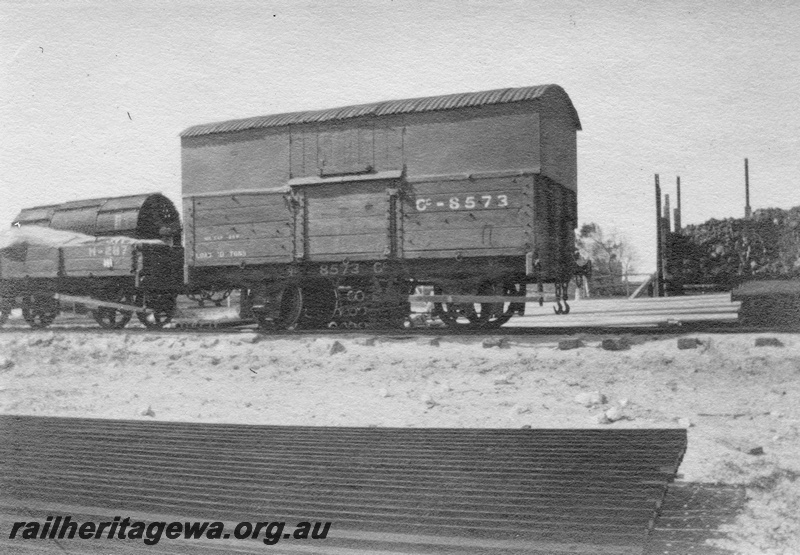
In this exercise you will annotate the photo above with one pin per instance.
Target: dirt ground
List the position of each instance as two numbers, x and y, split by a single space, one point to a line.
738 401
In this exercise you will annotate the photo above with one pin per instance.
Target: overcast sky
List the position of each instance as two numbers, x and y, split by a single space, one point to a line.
94 94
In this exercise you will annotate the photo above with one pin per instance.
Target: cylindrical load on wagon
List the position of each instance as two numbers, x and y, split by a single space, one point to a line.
149 216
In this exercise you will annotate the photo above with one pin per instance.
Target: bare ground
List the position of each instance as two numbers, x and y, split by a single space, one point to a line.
736 399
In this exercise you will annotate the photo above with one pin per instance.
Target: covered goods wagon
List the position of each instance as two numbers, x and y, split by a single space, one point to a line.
471 193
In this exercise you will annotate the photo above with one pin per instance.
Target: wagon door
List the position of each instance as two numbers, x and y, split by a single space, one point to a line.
349 219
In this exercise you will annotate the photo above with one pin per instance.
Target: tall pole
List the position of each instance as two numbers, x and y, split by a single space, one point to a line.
659 261
746 190
678 208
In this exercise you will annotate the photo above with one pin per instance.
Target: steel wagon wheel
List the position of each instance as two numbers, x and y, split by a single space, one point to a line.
39 311
478 315
290 300
494 315
456 315
111 318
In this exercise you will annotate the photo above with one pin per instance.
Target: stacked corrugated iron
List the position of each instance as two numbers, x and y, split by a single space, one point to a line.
427 491
728 252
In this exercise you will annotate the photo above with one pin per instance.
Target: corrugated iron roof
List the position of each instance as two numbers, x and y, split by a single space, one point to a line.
389 107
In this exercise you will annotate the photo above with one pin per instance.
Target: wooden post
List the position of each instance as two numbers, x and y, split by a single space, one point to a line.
659 292
747 212
666 270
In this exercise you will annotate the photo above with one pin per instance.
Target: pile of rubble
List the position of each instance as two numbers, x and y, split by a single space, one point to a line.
727 252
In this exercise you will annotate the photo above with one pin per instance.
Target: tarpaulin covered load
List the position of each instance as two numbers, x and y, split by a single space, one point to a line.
147 216
36 236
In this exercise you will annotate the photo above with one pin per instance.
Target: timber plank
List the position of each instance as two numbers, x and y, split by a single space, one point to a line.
243 232
451 202
459 253
44 268
366 244
470 186
239 200
276 213
41 253
250 261
348 207
465 240
111 266
444 221
98 250
348 226
243 250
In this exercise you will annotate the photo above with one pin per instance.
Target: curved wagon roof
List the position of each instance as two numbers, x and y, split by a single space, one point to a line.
143 216
390 107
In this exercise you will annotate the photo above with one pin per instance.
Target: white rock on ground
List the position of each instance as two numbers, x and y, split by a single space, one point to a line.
600 419
590 398
615 413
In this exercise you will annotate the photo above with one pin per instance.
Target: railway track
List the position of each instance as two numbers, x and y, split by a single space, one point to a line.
661 317
710 327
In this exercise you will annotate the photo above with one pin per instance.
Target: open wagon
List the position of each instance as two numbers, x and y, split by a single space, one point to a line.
115 256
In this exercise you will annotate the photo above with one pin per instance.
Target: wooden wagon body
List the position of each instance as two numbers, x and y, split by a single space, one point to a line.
484 179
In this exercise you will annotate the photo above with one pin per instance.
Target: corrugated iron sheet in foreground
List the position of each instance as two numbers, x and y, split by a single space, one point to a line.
385 490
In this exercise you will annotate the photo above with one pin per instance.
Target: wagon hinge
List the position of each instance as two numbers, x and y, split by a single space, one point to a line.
392 239
301 230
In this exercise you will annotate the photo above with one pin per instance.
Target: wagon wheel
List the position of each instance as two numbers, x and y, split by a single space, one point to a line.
494 315
456 315
40 311
291 308
163 307
319 304
478 316
111 318
6 305
387 303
